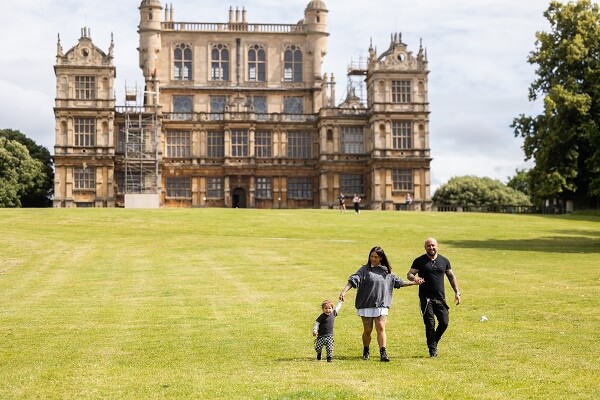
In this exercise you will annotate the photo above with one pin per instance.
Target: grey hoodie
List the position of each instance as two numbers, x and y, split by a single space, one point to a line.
374 286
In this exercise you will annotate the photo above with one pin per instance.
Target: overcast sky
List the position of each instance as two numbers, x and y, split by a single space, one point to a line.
477 51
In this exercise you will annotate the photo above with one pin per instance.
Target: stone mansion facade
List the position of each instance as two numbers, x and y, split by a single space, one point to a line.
239 114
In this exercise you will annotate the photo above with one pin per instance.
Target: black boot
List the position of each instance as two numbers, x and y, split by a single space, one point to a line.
366 353
433 350
318 356
383 354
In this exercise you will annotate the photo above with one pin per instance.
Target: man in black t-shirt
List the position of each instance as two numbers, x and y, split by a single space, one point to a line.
431 268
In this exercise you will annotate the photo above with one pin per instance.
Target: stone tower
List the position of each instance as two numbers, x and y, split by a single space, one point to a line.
150 45
84 113
315 20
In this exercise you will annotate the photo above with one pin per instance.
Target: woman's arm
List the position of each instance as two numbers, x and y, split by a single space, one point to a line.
344 290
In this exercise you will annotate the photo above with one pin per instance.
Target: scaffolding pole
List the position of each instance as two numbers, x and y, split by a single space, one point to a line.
141 150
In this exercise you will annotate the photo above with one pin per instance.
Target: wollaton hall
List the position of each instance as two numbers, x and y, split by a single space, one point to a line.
240 114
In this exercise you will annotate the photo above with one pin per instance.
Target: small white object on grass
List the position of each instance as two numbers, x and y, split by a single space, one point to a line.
483 318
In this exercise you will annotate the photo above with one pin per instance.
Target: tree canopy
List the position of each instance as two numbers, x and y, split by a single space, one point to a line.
39 193
473 191
19 172
520 181
564 141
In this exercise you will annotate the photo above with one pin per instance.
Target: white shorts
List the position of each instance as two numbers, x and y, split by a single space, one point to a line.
372 312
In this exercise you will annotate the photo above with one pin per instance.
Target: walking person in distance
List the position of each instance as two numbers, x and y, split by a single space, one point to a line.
431 269
356 200
342 201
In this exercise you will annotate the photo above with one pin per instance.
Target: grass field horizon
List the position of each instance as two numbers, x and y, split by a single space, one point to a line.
219 304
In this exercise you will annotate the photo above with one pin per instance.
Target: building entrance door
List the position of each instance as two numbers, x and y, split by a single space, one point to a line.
238 198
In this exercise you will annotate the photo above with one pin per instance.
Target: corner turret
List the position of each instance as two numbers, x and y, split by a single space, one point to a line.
315 16
150 31
315 20
150 45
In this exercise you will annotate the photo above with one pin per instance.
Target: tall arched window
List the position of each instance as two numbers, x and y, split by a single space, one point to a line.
182 62
257 64
219 69
292 64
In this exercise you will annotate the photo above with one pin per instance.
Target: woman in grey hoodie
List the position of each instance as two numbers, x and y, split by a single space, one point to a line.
375 283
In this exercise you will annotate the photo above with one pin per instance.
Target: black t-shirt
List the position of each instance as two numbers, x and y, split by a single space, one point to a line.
433 271
326 323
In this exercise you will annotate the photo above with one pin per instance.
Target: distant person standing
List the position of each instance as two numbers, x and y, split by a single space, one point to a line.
431 268
408 201
356 200
342 200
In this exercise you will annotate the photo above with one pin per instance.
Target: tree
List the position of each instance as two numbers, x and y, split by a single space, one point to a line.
19 172
473 191
40 194
520 182
564 141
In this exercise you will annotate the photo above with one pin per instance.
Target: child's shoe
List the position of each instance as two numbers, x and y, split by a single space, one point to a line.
318 356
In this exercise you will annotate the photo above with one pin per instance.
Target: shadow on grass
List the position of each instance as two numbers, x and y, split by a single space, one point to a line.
346 358
570 241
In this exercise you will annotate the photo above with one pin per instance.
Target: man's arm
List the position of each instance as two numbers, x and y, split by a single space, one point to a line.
411 276
454 283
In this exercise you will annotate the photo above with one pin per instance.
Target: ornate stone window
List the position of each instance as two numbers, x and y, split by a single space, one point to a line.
178 143
215 144
217 107
84 178
292 64
260 104
299 145
401 91
214 188
352 140
263 142
183 107
85 87
352 183
257 64
293 105
402 179
182 62
402 135
239 143
264 188
219 67
179 187
85 132
300 188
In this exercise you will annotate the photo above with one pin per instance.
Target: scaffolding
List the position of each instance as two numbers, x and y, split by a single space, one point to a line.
356 85
141 155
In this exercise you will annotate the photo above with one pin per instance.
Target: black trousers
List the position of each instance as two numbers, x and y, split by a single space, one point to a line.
432 309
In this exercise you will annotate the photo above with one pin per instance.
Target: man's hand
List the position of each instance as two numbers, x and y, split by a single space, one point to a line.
457 298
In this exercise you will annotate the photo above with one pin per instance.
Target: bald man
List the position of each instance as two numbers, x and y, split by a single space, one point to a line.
428 271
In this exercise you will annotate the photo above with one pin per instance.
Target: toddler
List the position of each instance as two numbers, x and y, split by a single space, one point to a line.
323 328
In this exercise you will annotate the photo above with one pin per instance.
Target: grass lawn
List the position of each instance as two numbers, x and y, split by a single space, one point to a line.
220 303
